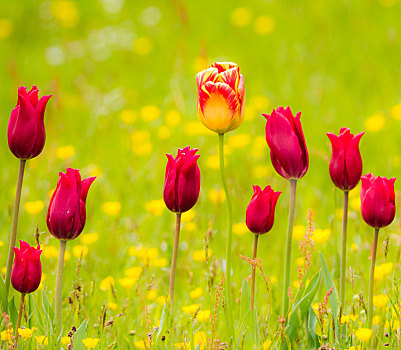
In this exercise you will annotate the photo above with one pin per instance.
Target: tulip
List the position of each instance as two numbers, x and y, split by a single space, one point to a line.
377 200
260 211
66 218
378 210
66 215
26 275
221 97
345 171
290 159
26 129
182 180
260 219
286 141
346 162
27 269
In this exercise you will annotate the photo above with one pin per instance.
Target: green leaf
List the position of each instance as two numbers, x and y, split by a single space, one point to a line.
13 312
333 298
79 335
302 308
313 339
245 300
38 315
163 323
3 296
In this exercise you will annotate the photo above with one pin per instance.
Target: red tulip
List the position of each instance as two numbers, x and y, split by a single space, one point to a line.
27 269
260 211
26 128
67 210
286 141
346 162
182 181
221 97
377 200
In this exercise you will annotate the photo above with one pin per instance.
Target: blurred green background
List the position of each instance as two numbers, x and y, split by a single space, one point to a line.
122 76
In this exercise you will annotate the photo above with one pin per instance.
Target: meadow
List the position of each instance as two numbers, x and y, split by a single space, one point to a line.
122 79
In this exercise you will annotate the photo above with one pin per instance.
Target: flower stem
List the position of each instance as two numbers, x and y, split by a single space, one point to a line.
172 275
255 250
13 237
291 215
372 278
229 312
344 250
174 261
59 285
21 310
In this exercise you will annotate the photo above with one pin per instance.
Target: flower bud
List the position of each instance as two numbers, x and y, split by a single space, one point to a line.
260 211
27 268
221 97
346 162
182 181
286 141
377 200
26 128
66 215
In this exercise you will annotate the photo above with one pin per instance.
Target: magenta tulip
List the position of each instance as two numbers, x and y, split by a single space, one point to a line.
346 162
260 211
67 209
286 141
182 181
27 269
377 200
26 128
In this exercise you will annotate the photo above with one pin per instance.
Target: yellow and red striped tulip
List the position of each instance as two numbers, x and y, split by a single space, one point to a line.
221 97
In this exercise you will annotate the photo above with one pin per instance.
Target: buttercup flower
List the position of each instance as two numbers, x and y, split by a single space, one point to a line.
67 210
346 162
377 200
286 141
221 97
27 269
26 128
182 181
260 211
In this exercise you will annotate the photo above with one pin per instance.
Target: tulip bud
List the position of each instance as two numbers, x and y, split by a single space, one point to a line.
182 181
221 97
377 200
26 129
67 210
260 211
346 162
27 269
286 141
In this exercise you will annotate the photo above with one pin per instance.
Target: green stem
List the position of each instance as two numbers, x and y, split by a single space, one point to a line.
229 313
59 284
291 215
172 274
13 237
344 250
21 310
372 278
255 250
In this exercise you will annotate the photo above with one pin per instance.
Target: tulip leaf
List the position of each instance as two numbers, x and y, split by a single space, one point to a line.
3 296
13 312
333 298
38 315
313 339
79 335
163 323
300 310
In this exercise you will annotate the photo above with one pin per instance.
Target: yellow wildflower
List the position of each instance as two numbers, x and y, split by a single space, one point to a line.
150 113
128 116
49 251
300 261
89 238
140 344
42 340
395 111
155 207
34 207
355 203
164 132
25 332
261 171
196 293
321 236
173 117
65 152
200 255
107 283
240 228
127 282
354 247
376 320
217 196
363 334
188 216
191 309
264 25
111 208
239 141
90 343
134 272
203 316
151 294
80 250
380 301
112 306
161 299
298 232
240 17
196 128
7 334
161 262
66 12
375 122
65 341
267 344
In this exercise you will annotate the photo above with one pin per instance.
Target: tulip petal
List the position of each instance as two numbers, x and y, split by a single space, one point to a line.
353 162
